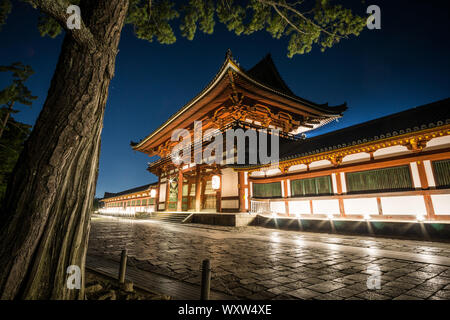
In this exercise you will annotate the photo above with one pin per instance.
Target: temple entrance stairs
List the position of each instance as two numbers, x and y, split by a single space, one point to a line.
172 217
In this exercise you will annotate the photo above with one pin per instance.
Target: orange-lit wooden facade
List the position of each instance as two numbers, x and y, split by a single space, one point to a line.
257 98
415 140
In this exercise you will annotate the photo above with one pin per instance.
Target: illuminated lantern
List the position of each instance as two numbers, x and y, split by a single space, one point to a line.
215 182
153 193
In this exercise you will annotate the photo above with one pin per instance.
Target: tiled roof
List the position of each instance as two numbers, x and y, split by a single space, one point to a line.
420 118
129 191
265 75
266 72
432 115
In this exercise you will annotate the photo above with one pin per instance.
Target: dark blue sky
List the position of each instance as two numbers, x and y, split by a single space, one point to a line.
403 65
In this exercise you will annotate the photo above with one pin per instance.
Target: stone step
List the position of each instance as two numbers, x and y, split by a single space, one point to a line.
174 217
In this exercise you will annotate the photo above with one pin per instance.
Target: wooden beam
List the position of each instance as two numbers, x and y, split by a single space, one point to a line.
286 196
241 191
197 190
376 164
422 175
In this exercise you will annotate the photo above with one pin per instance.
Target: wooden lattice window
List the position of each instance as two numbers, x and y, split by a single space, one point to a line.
267 190
318 186
442 173
380 180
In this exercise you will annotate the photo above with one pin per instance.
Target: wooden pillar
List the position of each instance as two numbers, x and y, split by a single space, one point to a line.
189 194
197 190
339 191
429 207
156 203
202 193
422 175
219 196
180 190
166 206
380 207
286 196
426 197
241 186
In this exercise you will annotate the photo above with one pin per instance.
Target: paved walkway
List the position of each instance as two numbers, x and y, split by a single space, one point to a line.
258 263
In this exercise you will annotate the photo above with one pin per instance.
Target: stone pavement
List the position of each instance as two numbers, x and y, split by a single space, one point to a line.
259 263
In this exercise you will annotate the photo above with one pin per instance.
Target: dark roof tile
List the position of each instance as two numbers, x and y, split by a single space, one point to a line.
133 190
415 119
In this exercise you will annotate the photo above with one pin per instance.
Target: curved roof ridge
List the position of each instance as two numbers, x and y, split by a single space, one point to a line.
108 195
266 68
230 63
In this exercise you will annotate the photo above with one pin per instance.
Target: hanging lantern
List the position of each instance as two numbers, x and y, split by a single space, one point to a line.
215 182
153 193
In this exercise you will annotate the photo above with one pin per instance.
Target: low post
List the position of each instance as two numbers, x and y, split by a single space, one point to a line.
206 280
123 266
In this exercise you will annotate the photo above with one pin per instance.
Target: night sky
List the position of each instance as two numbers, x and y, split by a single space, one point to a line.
403 65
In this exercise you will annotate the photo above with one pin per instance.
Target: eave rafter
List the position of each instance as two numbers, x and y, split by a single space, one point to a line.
241 86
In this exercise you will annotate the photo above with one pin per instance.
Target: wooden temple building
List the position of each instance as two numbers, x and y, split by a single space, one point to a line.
392 168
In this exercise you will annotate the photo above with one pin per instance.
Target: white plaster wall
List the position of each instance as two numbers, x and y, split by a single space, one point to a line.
230 204
390 152
273 172
325 206
257 174
361 206
415 175
162 192
230 181
429 173
320 164
343 183
298 167
299 207
246 198
407 205
334 183
441 204
438 143
357 157
278 207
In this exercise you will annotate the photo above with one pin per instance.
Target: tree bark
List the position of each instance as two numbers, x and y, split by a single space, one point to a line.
44 223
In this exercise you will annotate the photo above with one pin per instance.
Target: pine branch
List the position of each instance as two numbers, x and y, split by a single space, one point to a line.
298 13
287 20
57 9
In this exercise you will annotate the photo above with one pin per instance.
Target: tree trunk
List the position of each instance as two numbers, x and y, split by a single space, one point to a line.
44 225
5 120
